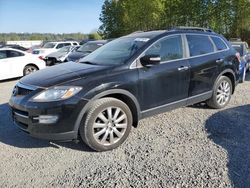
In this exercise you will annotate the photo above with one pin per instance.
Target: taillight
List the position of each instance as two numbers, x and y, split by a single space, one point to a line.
40 57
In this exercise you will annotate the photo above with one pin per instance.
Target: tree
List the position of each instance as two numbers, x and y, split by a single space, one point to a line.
228 17
94 36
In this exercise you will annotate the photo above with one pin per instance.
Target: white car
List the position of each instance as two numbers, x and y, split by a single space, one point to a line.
50 47
16 63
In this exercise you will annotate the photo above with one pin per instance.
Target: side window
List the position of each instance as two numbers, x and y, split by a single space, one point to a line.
3 54
11 53
220 45
59 45
67 44
75 43
199 45
168 49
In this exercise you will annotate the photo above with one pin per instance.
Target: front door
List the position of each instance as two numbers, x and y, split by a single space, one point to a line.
167 82
5 65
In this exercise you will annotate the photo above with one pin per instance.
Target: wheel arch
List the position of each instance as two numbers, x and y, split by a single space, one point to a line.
120 94
231 75
30 64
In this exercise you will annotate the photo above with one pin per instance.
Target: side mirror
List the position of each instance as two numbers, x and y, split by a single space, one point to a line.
149 60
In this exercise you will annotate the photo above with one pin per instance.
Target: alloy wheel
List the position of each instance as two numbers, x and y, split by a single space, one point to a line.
110 125
223 93
30 70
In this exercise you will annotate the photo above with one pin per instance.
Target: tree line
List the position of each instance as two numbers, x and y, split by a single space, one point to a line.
47 36
228 17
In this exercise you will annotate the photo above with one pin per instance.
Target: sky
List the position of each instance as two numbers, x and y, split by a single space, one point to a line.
50 16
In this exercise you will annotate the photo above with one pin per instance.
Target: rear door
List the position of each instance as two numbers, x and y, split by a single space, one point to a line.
5 65
205 61
16 62
168 81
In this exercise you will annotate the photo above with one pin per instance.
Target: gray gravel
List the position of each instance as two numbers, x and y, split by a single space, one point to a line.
189 147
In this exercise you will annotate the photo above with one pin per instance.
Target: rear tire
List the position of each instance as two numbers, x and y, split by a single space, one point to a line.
106 124
29 69
221 94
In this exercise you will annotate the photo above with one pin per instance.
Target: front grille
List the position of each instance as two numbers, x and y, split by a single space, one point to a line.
23 113
21 118
23 91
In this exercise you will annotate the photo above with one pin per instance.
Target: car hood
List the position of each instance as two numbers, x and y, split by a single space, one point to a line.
59 74
57 54
77 55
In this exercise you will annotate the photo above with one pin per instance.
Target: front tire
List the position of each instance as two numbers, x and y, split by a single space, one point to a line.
221 94
29 69
106 125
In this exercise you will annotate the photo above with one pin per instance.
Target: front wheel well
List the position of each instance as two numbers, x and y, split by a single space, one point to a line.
127 100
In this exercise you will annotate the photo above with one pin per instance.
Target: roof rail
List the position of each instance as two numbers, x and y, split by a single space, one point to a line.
193 29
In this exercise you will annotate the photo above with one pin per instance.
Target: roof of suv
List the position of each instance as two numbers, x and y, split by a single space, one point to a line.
152 34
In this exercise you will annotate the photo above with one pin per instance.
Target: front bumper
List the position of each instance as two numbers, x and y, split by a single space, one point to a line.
25 116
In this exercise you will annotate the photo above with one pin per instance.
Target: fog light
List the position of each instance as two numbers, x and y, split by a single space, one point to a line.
47 119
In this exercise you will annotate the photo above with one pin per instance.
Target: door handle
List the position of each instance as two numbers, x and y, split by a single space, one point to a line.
182 68
219 60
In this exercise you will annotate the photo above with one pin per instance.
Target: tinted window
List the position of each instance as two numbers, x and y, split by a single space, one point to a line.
49 45
89 47
199 44
220 45
11 53
168 49
74 43
3 54
67 44
59 46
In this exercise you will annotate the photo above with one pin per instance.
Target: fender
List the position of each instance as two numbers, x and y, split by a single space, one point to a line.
102 94
223 72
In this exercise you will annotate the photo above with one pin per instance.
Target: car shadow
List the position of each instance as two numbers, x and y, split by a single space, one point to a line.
230 129
13 136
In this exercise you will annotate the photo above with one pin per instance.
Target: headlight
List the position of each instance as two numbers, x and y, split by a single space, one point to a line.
56 93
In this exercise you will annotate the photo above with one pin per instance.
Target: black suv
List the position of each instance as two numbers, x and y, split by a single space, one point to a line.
130 78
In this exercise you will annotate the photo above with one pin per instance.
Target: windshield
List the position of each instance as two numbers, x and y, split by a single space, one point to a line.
65 49
49 45
89 47
115 52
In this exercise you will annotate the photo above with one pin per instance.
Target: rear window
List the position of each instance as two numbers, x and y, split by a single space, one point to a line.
220 45
11 53
199 45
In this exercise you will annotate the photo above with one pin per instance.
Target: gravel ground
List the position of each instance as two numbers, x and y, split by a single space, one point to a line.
189 147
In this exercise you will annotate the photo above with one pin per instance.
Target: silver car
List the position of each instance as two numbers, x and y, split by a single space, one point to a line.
59 56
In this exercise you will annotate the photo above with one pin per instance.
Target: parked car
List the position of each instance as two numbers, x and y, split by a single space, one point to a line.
60 56
14 46
130 78
50 47
85 49
244 57
16 63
